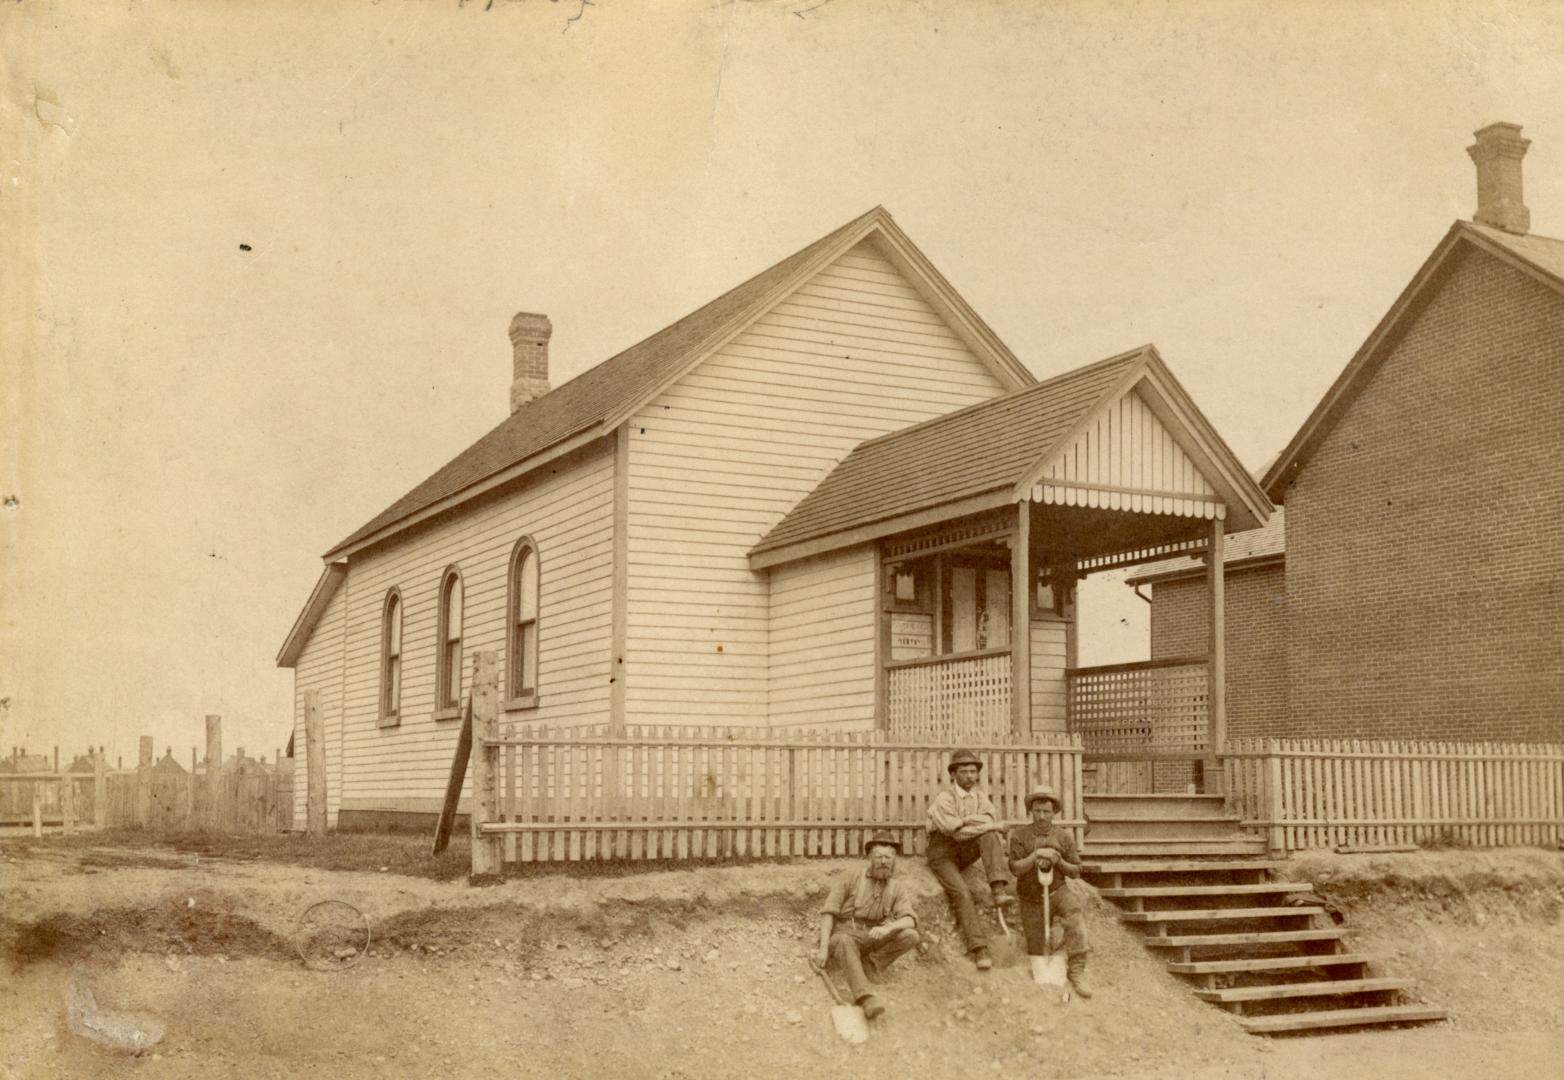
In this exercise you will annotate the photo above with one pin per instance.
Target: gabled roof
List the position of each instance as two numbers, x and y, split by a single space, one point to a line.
1539 257
314 608
1265 544
599 399
985 456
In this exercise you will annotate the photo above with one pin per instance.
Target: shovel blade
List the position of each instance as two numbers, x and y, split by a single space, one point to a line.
1051 972
850 1023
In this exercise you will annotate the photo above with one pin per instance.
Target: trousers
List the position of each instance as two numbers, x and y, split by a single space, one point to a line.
948 858
1065 907
851 944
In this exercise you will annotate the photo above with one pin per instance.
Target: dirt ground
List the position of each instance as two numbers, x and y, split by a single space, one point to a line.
700 973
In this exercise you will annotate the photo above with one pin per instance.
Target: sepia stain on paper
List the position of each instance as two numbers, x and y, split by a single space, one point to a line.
47 108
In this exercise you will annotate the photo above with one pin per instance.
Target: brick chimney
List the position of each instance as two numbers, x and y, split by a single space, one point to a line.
1498 152
529 336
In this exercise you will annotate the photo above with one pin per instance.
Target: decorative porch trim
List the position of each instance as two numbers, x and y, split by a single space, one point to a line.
1129 499
878 530
958 536
1141 555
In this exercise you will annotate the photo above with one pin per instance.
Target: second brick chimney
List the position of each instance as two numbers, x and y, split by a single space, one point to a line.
1498 152
529 336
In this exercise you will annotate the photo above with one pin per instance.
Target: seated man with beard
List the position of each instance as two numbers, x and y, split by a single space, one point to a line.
867 922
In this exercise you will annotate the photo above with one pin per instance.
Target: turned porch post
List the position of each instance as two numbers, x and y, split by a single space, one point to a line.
1021 621
1216 671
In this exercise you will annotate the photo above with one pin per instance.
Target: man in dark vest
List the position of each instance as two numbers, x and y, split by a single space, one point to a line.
867 921
1043 846
963 829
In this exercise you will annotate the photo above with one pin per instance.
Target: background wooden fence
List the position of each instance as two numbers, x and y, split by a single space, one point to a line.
1317 793
705 793
243 794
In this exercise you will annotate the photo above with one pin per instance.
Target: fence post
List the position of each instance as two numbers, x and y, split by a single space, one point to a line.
485 788
100 790
37 808
144 782
1275 842
314 764
214 768
68 803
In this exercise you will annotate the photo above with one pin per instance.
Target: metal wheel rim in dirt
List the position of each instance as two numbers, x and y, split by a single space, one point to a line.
326 930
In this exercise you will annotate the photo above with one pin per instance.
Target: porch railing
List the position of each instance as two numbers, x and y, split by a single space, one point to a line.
950 700
1151 708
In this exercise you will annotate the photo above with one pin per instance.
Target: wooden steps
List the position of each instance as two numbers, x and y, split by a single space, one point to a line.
1318 988
1304 962
1174 863
1181 915
1173 846
1158 892
1100 808
1257 937
1340 1018
1091 866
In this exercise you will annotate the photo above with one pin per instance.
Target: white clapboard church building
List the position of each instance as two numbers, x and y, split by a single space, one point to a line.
829 498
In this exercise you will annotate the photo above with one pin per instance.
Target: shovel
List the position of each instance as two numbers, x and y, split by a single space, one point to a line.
1050 970
848 1020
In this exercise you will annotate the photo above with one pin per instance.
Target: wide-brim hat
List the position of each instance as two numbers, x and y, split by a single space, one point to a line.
963 757
1043 791
882 837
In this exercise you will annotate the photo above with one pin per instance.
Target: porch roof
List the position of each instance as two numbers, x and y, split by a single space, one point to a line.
986 456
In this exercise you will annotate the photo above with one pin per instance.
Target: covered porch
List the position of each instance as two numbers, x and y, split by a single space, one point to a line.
951 598
1003 509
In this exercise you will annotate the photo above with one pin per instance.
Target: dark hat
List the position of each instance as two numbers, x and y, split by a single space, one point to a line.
1044 792
963 757
882 837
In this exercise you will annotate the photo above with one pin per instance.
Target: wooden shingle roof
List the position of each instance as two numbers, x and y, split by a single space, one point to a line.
984 448
583 402
595 401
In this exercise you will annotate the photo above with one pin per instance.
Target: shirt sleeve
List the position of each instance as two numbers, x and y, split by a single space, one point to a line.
836 897
942 814
985 807
901 903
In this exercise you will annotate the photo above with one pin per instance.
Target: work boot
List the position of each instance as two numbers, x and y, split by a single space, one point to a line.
871 1006
981 958
1077 973
1003 897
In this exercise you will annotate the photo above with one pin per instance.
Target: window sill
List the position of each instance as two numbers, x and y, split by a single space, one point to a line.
517 704
391 720
450 712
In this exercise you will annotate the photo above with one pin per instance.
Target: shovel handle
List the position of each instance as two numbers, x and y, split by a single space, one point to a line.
836 995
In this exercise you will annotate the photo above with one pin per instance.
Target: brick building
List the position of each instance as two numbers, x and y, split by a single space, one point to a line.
1421 594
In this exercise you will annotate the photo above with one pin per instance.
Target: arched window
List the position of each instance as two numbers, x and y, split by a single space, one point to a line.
521 649
448 658
391 660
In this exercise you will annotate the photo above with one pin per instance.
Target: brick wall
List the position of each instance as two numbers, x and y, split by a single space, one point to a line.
1425 580
1256 642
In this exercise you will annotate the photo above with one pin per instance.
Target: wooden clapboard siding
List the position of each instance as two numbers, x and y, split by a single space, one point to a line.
721 456
319 667
568 511
1048 682
822 640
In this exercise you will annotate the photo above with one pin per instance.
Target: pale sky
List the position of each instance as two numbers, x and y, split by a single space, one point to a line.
188 425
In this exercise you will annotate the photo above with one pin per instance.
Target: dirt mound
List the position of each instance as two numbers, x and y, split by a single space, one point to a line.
1473 887
201 927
